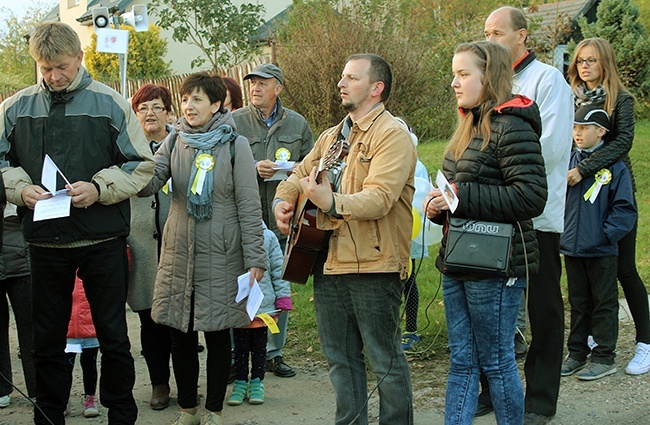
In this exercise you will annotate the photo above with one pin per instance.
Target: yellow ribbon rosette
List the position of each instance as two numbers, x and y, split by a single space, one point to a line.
601 178
204 163
283 154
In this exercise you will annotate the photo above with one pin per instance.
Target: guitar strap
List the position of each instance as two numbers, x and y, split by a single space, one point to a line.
344 134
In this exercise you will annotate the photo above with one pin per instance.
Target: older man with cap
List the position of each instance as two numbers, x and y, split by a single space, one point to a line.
274 133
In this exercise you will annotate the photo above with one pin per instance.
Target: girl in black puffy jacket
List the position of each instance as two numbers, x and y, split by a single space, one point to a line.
494 164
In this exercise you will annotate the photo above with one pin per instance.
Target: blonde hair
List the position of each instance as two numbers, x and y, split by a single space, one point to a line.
495 62
610 78
53 40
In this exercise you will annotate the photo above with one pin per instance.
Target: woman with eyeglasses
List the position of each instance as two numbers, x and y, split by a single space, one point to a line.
213 235
152 105
595 81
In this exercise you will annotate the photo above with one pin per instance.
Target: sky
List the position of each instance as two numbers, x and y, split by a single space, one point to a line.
20 6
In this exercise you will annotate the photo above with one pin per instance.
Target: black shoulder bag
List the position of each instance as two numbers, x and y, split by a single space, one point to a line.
478 247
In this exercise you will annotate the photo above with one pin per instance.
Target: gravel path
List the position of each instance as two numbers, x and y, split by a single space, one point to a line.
308 398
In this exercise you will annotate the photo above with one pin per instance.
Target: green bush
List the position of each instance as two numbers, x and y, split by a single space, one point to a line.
417 37
618 22
144 61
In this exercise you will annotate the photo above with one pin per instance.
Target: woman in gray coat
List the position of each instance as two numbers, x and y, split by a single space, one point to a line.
213 234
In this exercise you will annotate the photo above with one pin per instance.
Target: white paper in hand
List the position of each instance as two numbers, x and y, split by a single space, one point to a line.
55 207
447 191
243 283
255 298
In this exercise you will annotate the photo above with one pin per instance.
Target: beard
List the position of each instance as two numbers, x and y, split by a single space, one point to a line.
349 106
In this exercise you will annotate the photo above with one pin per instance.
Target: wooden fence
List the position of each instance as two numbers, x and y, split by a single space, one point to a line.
174 82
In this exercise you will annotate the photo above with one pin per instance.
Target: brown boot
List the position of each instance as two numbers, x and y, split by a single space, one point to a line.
159 397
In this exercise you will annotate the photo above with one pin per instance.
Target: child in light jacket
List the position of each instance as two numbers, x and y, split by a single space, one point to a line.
251 341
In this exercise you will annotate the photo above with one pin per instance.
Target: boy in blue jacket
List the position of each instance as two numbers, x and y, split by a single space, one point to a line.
600 210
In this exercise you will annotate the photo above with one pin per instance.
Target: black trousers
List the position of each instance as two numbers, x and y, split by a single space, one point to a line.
411 301
593 295
185 360
250 342
156 343
635 291
88 361
18 290
546 315
102 268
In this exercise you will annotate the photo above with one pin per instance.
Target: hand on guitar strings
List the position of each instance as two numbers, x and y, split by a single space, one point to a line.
317 188
283 212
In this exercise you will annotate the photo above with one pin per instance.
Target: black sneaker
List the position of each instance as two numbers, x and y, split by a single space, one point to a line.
279 367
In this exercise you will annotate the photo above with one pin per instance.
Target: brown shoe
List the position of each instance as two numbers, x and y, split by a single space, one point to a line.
159 397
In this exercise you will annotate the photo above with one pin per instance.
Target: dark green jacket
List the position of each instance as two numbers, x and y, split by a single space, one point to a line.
290 131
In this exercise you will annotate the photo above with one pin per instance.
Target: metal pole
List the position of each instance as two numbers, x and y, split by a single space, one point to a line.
121 58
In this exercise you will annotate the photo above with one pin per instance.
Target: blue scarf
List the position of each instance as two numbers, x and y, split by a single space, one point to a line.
199 206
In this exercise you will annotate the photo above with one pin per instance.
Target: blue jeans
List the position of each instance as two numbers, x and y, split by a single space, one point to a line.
354 312
275 342
481 320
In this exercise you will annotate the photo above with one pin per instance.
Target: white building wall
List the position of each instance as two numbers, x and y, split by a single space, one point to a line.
179 54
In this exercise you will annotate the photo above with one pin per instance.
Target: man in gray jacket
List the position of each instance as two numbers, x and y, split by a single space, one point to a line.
275 133
90 132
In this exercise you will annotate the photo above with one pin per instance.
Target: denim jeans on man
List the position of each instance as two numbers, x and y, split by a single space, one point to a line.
357 311
103 268
481 320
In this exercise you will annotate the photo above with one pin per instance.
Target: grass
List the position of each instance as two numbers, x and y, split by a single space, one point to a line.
303 343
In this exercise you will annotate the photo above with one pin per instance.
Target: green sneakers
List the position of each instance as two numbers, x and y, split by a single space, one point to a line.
256 391
242 390
239 393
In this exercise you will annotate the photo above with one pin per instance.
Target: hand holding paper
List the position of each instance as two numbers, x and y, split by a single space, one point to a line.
254 294
447 191
59 204
282 170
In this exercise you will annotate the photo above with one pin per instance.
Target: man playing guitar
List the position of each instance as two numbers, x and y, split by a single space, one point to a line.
358 276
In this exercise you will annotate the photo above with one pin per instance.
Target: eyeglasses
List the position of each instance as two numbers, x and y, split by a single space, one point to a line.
588 62
143 109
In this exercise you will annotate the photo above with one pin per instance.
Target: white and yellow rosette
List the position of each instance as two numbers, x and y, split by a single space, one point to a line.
283 154
204 163
601 178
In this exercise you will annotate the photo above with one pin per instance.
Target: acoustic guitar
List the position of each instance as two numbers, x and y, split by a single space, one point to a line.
305 240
